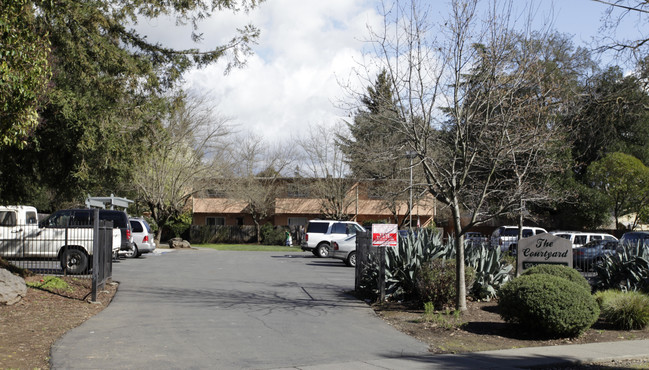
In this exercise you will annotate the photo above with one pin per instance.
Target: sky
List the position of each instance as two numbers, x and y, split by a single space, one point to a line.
307 50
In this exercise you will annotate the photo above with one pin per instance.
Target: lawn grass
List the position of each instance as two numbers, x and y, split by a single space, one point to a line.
249 247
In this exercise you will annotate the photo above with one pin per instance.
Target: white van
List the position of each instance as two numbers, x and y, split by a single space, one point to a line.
579 238
506 237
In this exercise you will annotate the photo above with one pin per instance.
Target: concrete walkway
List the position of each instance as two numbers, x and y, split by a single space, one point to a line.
521 358
205 309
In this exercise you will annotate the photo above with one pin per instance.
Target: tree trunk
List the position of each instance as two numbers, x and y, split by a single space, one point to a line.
460 287
258 231
158 235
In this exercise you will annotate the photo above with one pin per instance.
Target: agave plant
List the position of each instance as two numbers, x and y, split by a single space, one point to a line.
491 270
627 269
404 261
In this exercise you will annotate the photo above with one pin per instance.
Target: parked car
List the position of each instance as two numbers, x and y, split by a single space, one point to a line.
320 233
506 237
345 250
86 217
634 238
143 239
579 238
69 239
593 253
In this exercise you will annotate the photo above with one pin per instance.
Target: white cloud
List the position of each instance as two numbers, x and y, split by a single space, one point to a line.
305 48
291 81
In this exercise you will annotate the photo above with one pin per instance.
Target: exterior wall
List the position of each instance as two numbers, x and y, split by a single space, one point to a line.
362 208
230 219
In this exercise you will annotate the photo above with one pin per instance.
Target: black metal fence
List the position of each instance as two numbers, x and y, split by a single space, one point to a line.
83 250
370 262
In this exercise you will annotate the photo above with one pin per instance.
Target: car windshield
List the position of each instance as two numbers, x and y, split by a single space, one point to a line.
58 219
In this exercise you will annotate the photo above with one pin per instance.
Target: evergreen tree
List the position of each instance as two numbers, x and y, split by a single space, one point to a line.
375 147
107 93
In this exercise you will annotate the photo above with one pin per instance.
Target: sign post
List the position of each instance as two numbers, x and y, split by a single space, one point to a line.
543 249
384 235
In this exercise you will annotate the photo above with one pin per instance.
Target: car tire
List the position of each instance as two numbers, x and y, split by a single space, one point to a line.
133 252
322 251
351 259
74 261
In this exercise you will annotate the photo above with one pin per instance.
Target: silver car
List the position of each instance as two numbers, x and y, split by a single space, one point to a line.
142 238
345 248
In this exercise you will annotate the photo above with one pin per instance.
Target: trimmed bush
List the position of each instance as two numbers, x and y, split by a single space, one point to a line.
271 235
560 271
624 310
435 282
548 305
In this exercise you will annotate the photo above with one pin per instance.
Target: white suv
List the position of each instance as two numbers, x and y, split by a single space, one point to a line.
578 238
320 234
506 237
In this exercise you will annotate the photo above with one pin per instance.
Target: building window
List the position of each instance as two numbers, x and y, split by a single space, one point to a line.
297 221
215 221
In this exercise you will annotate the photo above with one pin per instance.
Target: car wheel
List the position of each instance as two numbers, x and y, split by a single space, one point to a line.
133 252
74 261
351 259
323 250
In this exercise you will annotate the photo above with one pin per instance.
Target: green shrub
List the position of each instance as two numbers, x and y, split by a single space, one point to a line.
624 310
436 281
271 235
179 224
560 271
549 305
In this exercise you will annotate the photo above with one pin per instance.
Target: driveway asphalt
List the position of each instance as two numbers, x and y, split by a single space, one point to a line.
206 309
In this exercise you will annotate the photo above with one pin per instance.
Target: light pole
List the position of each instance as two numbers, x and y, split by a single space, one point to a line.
410 155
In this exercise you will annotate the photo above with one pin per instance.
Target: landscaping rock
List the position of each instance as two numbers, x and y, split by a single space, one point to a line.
179 243
12 288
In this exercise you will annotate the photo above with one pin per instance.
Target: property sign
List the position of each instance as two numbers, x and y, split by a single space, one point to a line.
384 235
543 249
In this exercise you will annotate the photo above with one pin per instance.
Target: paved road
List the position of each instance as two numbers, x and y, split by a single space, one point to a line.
198 309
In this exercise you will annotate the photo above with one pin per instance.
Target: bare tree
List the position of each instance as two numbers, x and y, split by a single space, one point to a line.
182 153
461 99
617 13
256 178
325 163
